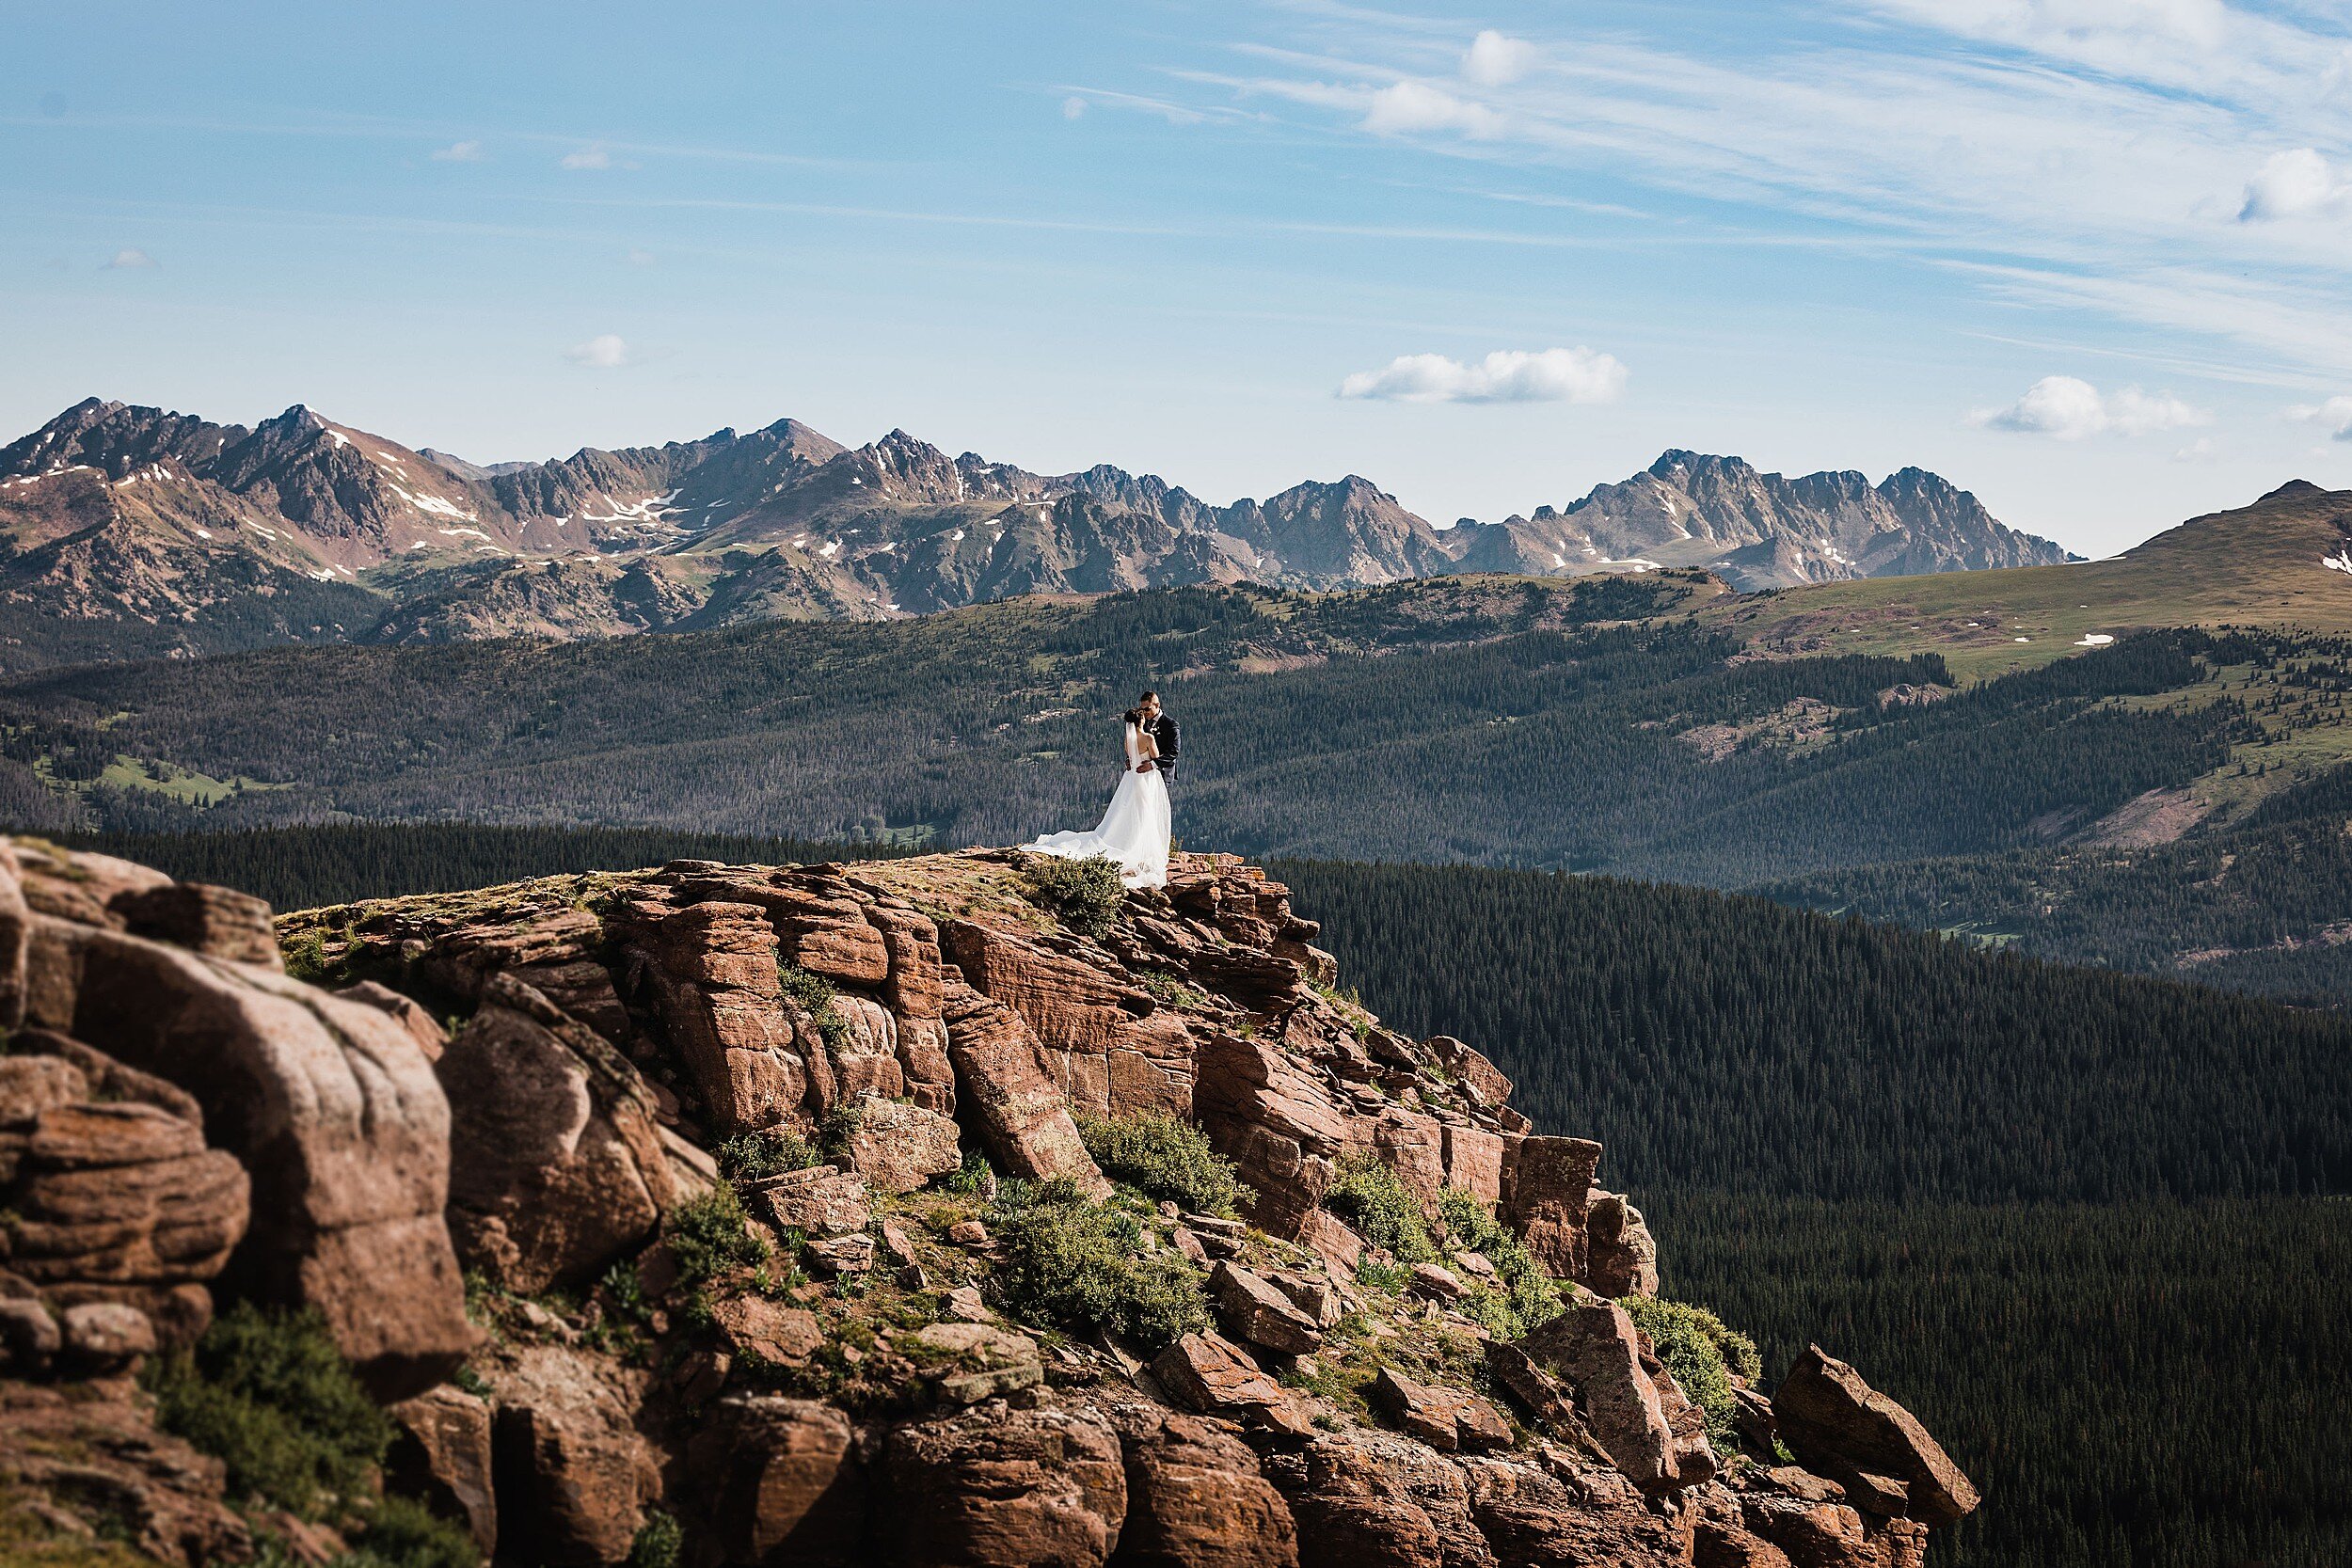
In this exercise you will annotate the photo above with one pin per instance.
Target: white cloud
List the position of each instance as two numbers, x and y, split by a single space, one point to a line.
2200 451
639 257
1073 107
2334 415
2067 409
1495 60
2101 145
588 157
2297 184
1403 107
607 351
458 152
128 258
1506 376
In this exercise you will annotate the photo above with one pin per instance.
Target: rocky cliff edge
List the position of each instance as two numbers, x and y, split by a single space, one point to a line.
954 1209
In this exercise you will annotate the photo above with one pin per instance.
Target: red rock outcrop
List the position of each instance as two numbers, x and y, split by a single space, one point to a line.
1846 1430
329 1105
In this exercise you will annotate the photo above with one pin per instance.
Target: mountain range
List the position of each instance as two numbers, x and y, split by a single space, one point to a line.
129 531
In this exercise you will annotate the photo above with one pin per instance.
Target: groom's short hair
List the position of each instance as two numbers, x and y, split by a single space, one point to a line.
1149 697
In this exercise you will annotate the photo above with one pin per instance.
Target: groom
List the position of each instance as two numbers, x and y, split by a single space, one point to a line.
1162 730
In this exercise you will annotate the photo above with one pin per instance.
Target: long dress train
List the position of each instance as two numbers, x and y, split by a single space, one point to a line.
1134 832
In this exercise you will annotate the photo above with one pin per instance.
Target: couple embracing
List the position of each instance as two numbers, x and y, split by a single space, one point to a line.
1134 832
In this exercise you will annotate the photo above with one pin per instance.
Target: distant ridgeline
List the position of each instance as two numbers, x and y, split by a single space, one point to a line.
1516 725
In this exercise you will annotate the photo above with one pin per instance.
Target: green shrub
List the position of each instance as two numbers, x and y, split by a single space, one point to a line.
402 1533
814 994
770 1151
1168 1158
973 1176
706 1236
1368 1196
1523 1295
271 1397
1701 1353
1084 894
659 1543
1077 1263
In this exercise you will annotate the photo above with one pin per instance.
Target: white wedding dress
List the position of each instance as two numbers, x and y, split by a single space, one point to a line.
1133 833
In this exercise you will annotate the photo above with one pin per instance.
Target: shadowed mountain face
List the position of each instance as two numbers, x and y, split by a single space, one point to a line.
131 531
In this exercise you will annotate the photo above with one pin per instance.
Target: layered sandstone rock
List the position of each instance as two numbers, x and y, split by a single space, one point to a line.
849 1380
1846 1430
329 1105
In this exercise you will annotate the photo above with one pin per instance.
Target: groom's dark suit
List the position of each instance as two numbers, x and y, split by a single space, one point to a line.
1166 734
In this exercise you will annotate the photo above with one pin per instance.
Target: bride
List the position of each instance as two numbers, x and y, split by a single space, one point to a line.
1134 832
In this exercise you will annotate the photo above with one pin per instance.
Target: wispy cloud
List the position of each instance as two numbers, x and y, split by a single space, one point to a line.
2105 138
586 157
1506 376
127 258
2333 416
607 351
459 152
2070 410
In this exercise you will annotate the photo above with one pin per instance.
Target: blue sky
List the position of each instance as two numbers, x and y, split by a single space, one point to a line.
2092 259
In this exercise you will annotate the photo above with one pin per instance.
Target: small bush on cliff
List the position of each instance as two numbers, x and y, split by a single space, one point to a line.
1368 1196
270 1395
814 996
1701 1353
707 1235
770 1151
1523 1295
1084 895
403 1533
1072 1261
1168 1158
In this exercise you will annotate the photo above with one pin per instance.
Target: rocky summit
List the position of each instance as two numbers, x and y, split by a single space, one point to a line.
960 1210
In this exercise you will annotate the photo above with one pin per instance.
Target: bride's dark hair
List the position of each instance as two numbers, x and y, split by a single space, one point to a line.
1133 716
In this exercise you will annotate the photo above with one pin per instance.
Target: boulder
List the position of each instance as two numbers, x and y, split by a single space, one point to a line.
779 1482
1000 1488
29 1336
1542 1396
756 1326
1445 1418
1546 1182
113 1200
1621 1259
899 1147
105 1338
442 1457
1007 1098
822 1200
1254 1311
1216 1377
553 1174
1196 1498
1264 1110
1838 1425
1597 1349
573 1475
1542 1518
330 1107
218 922
977 1362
